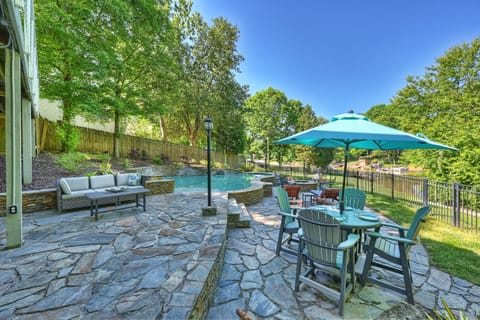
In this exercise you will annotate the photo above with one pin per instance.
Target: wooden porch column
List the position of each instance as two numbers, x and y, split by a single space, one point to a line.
27 140
13 148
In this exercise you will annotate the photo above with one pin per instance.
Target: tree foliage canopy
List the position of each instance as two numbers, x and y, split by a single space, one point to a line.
150 61
444 104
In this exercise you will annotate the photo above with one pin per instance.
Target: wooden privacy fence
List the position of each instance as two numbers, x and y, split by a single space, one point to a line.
2 132
96 141
451 202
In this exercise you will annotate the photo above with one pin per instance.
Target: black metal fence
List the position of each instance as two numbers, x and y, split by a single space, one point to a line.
454 203
451 202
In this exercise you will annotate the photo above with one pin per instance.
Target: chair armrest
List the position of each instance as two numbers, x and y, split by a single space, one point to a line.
389 237
393 225
287 214
351 241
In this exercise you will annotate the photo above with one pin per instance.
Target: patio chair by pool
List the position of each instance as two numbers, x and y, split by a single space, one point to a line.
289 224
293 191
322 246
354 198
394 249
328 196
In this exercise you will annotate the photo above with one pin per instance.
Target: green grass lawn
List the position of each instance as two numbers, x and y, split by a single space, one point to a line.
450 249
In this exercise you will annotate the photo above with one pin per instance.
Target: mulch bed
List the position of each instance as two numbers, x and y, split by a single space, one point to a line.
45 171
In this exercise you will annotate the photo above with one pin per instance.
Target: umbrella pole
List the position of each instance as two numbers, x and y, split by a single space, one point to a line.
342 198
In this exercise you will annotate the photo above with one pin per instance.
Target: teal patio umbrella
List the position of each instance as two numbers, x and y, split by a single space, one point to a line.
350 130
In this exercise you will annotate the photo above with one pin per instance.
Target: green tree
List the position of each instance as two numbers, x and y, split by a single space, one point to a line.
318 157
208 87
65 30
105 59
269 116
444 104
139 46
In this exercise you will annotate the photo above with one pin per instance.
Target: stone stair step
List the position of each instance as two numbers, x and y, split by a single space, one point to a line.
238 216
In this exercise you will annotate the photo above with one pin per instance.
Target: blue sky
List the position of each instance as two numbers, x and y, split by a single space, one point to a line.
342 54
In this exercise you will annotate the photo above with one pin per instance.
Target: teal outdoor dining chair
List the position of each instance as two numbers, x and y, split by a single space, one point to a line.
393 249
354 198
288 224
322 246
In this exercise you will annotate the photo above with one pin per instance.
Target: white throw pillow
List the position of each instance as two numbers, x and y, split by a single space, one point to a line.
65 187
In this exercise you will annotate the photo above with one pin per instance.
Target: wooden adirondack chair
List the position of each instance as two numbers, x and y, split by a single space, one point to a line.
293 191
323 247
354 198
394 249
328 196
289 224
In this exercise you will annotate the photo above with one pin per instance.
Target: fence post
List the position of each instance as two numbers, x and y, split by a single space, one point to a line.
393 187
425 192
371 182
455 205
358 179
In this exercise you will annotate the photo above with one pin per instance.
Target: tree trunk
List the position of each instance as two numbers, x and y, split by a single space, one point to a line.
66 125
116 136
163 130
267 156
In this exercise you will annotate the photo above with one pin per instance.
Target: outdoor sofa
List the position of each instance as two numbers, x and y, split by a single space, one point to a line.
71 191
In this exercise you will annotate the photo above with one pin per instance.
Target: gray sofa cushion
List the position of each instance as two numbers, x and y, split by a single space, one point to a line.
75 184
122 179
101 182
76 194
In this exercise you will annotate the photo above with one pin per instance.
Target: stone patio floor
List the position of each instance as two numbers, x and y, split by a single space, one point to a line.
153 265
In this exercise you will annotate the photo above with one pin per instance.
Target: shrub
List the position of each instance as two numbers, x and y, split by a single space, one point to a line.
134 154
158 161
258 169
69 136
71 161
105 168
164 158
126 163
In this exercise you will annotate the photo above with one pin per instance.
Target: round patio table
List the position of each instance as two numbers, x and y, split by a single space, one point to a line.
353 220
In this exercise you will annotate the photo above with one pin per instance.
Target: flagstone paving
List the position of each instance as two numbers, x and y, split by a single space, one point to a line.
153 265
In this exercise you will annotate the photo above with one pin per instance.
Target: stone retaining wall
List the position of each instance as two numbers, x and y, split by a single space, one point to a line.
32 201
202 304
307 186
39 200
252 195
160 186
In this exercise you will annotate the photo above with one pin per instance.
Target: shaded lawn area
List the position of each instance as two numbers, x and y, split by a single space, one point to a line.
450 249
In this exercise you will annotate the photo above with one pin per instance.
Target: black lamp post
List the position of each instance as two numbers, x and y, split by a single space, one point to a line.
208 123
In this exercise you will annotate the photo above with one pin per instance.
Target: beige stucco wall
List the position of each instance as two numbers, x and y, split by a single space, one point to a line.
50 110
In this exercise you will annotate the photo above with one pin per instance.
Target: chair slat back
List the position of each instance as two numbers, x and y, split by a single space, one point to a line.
417 223
321 234
354 198
284 203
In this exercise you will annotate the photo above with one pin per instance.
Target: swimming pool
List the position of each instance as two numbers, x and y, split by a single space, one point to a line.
220 183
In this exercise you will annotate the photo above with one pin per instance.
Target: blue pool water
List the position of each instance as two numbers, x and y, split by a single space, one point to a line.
220 183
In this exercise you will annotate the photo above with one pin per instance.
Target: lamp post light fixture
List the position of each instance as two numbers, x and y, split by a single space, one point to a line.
208 124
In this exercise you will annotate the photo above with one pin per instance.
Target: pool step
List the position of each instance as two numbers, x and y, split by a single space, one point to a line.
238 216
